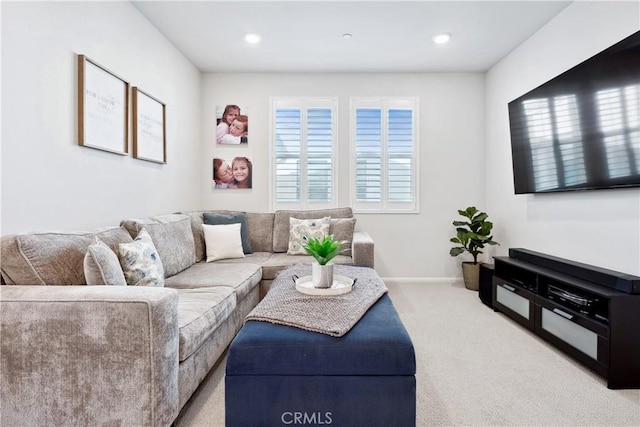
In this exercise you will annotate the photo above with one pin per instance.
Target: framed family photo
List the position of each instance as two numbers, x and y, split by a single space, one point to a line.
149 129
232 127
103 108
235 172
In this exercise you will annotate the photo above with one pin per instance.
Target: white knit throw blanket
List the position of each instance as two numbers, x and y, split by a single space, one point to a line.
331 315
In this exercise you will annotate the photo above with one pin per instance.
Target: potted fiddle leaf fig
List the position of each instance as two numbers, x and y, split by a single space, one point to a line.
472 236
323 251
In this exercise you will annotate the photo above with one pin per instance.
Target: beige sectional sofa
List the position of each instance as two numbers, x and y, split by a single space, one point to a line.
132 355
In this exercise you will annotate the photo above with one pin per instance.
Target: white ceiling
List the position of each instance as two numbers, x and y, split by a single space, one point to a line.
388 36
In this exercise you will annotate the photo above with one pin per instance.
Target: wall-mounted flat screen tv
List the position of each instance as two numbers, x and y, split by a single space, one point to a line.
581 130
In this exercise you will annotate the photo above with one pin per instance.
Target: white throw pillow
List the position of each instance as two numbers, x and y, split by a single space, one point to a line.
302 229
140 261
223 241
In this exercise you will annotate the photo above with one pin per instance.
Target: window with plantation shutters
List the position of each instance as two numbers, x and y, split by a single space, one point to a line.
303 156
384 153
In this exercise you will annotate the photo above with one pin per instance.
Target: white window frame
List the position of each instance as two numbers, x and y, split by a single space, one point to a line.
303 103
384 103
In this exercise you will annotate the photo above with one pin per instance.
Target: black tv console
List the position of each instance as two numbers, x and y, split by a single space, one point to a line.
592 314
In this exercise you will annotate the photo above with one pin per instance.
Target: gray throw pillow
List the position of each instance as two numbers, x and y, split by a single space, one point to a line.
240 217
101 266
342 229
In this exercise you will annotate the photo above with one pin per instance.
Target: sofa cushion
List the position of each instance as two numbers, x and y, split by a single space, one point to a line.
260 227
211 218
198 236
101 266
200 312
254 258
281 223
301 230
260 230
140 261
133 225
241 277
174 240
172 237
342 229
54 258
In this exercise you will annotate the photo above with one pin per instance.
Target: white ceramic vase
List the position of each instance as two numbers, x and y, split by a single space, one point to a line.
322 275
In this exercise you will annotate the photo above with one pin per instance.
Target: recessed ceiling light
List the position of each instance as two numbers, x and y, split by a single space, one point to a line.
252 38
347 36
441 38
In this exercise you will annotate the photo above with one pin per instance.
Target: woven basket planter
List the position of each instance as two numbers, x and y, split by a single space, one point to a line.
471 275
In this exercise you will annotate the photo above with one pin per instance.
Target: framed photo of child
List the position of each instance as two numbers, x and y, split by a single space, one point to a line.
232 127
232 173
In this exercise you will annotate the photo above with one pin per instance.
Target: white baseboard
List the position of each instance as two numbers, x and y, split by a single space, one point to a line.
401 280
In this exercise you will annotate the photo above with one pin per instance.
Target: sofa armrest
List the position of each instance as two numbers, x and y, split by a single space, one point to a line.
88 355
362 249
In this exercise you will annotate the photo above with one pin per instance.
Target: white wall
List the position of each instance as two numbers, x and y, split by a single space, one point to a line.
595 227
48 181
451 155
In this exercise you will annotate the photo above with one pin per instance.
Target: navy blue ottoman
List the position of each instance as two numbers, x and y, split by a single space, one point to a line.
281 375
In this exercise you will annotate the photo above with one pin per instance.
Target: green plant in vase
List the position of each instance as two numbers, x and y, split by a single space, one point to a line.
472 236
323 251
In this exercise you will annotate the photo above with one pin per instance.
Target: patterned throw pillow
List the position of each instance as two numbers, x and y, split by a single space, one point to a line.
302 229
140 261
101 265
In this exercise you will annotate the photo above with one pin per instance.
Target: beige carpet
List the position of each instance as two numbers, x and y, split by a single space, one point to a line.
475 367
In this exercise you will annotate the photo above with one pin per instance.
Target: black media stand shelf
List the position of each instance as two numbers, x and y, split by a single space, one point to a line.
591 313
